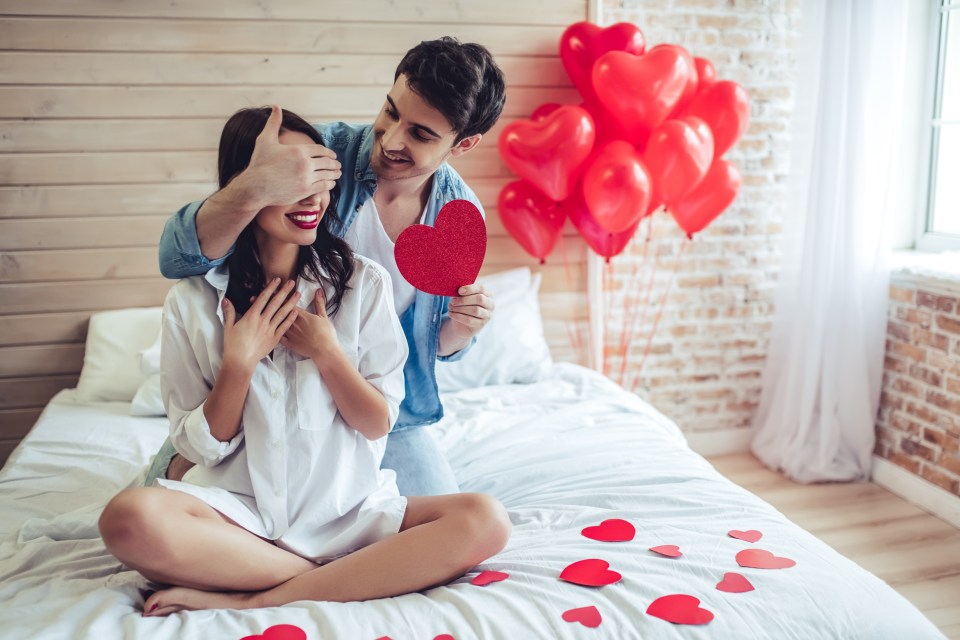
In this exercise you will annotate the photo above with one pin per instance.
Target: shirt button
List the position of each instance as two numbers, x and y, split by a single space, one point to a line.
278 491
358 207
275 394
275 443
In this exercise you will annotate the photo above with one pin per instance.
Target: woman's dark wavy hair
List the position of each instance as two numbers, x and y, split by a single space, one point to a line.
329 259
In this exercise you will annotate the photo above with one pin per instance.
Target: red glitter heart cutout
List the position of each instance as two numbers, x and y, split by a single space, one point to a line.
613 530
280 632
749 536
669 550
734 583
760 559
587 616
442 258
486 577
680 609
590 573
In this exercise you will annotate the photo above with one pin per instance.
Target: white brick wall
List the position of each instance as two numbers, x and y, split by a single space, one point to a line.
709 349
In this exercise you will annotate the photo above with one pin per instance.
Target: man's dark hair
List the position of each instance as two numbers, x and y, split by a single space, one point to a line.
459 80
328 259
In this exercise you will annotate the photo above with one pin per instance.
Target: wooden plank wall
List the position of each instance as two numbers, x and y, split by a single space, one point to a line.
109 118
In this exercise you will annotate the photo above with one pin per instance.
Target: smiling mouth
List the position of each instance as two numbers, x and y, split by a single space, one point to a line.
392 158
305 219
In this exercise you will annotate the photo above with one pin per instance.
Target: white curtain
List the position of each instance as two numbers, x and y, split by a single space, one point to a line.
821 385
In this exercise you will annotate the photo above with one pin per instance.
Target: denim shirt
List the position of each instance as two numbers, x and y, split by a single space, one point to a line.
180 256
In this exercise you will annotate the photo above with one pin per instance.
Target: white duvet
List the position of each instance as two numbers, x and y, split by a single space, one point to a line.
562 454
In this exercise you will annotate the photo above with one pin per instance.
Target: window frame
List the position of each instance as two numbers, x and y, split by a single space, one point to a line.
927 239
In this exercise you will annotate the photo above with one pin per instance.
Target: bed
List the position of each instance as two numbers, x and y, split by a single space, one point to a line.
565 450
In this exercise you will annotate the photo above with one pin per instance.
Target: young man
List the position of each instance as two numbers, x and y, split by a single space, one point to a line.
393 174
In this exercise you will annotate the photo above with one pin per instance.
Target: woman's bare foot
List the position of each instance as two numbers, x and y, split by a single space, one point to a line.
167 601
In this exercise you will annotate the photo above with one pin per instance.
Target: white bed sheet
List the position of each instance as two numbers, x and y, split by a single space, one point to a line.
562 454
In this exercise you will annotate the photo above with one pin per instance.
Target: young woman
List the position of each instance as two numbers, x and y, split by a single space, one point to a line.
282 373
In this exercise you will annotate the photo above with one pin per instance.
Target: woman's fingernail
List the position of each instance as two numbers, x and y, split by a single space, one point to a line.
154 607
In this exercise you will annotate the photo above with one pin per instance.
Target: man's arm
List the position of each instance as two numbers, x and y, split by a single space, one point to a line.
198 236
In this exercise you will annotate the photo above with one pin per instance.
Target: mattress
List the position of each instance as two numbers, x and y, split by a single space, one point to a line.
563 454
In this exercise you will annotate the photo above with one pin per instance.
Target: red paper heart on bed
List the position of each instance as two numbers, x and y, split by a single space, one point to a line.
760 559
749 536
587 616
734 583
669 550
444 636
486 577
280 632
442 258
590 573
613 530
680 609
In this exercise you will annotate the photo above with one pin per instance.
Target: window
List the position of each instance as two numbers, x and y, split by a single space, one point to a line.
941 225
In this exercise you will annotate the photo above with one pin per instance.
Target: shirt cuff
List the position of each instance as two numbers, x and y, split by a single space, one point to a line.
456 355
197 430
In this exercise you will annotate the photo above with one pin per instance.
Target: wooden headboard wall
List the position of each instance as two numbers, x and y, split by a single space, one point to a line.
109 119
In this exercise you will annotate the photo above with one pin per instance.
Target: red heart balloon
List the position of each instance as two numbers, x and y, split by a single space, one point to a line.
693 82
587 616
761 559
616 187
709 199
486 577
280 632
613 530
706 74
734 583
590 573
750 536
530 217
680 609
669 550
603 242
543 111
549 153
678 157
641 91
583 42
442 258
725 107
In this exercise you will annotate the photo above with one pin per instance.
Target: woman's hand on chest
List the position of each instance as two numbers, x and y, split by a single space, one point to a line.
312 335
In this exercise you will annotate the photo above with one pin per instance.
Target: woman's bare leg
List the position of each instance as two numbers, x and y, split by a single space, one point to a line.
441 538
174 538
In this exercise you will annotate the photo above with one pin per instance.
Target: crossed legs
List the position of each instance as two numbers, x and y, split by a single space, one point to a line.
173 538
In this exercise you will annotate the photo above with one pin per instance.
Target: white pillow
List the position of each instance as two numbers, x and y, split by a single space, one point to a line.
511 348
148 401
111 367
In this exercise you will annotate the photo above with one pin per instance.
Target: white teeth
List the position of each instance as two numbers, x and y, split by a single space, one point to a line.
304 218
393 158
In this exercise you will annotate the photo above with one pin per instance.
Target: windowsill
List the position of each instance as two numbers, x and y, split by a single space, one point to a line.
940 268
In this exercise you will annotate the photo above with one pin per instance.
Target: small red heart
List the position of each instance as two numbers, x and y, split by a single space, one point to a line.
749 536
613 530
587 616
280 632
384 638
444 636
680 609
760 559
669 550
486 577
590 573
734 583
442 258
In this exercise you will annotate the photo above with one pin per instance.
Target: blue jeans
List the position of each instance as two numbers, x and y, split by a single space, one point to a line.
412 453
419 464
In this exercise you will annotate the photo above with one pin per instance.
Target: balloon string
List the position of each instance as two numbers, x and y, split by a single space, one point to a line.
656 321
573 329
630 303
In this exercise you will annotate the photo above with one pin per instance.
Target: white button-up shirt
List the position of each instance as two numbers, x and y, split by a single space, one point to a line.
296 472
